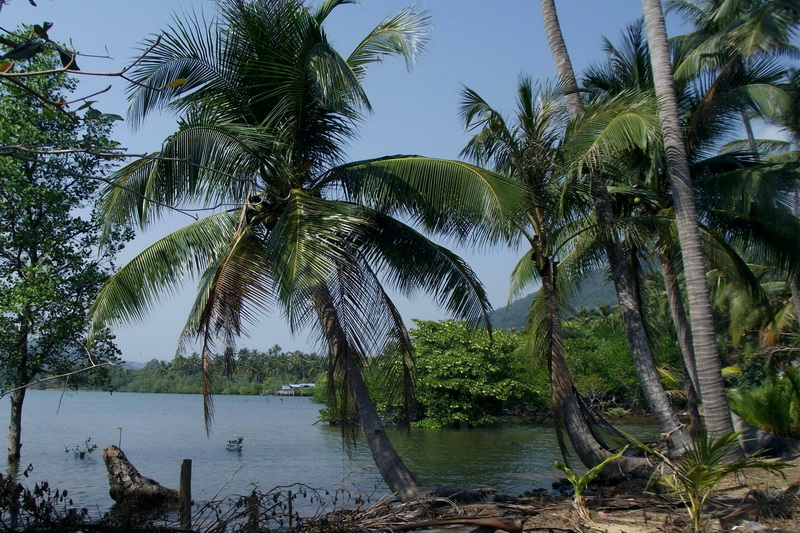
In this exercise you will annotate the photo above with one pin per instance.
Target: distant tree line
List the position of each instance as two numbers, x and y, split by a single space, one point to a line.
244 371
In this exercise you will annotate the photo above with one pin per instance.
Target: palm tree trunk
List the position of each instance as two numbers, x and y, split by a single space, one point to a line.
751 138
709 368
653 389
684 334
400 480
682 329
655 395
566 407
558 48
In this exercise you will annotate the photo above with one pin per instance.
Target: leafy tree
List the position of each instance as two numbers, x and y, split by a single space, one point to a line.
466 378
600 361
267 107
50 267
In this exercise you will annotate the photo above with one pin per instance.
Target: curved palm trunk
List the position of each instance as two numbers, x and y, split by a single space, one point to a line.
566 406
398 477
678 313
709 368
655 395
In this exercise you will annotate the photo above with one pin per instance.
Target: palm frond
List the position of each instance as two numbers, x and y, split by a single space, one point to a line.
411 263
236 288
523 277
404 34
207 166
627 121
135 288
446 197
186 62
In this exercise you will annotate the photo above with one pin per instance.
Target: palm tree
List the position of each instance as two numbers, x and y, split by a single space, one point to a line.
709 370
267 106
529 150
624 283
736 194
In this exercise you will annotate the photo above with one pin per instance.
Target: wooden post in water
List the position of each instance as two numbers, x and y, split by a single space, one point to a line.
186 494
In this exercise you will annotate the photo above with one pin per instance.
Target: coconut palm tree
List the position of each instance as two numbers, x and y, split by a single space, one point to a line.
736 215
624 283
708 104
267 106
529 150
718 419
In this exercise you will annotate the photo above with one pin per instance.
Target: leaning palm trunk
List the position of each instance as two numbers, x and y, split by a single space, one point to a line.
566 406
398 477
709 369
655 395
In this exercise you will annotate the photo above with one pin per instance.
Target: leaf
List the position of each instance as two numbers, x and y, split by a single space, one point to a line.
26 50
5 66
92 114
42 31
178 82
87 104
111 116
67 57
8 42
731 371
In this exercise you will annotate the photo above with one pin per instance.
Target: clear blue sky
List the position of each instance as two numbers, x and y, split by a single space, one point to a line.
476 43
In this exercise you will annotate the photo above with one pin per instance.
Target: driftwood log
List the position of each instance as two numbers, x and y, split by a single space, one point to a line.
128 487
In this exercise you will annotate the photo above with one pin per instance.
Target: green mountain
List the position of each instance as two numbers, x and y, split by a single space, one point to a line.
596 290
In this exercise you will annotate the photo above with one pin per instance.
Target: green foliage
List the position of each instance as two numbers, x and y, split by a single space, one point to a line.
773 406
703 466
579 482
463 378
601 362
51 264
466 379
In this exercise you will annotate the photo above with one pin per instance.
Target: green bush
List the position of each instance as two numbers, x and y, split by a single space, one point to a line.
773 406
466 379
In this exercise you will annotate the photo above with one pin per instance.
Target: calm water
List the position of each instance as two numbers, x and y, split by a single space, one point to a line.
282 445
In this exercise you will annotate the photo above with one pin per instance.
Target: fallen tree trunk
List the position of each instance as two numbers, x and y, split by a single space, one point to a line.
128 487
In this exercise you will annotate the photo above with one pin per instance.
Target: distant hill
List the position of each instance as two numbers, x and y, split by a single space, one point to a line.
594 292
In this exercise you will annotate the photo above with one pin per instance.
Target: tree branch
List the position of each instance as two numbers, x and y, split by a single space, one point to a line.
5 392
